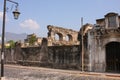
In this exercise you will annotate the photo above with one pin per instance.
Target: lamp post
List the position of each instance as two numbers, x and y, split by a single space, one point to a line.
16 14
82 45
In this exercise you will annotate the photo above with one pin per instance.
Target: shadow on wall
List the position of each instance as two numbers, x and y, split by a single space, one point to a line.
65 57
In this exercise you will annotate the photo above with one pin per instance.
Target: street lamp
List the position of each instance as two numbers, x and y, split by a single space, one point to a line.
82 44
16 14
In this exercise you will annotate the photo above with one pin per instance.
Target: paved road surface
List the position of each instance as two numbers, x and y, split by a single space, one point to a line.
13 72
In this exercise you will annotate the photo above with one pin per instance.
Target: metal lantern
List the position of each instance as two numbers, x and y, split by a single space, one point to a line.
16 14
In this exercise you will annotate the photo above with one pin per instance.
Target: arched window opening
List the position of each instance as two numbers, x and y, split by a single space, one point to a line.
69 38
58 37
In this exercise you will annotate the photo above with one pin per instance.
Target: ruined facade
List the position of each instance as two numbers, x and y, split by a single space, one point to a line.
98 50
57 36
102 52
61 36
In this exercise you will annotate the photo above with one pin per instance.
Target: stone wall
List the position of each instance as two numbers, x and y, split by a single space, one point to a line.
65 57
61 36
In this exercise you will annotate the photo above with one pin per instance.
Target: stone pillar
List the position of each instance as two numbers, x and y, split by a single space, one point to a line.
12 54
44 51
106 22
56 58
102 59
90 39
117 21
18 52
64 37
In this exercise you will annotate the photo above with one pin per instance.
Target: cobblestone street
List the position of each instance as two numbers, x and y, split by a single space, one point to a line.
35 73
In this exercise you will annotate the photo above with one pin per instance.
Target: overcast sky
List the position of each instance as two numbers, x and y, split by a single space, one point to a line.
37 14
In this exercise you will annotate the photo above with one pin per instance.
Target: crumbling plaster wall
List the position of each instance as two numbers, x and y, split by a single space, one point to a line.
97 47
61 36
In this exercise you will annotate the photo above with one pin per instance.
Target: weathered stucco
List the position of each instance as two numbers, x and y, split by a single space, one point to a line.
95 42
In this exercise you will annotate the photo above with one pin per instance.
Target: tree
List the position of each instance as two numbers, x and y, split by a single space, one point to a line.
12 44
32 40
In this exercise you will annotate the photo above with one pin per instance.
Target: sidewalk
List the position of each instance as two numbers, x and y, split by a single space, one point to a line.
15 72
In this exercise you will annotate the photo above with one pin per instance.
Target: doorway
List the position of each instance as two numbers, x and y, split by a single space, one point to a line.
113 57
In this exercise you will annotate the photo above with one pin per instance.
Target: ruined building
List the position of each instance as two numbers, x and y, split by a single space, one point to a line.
57 36
61 36
100 51
32 37
98 48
